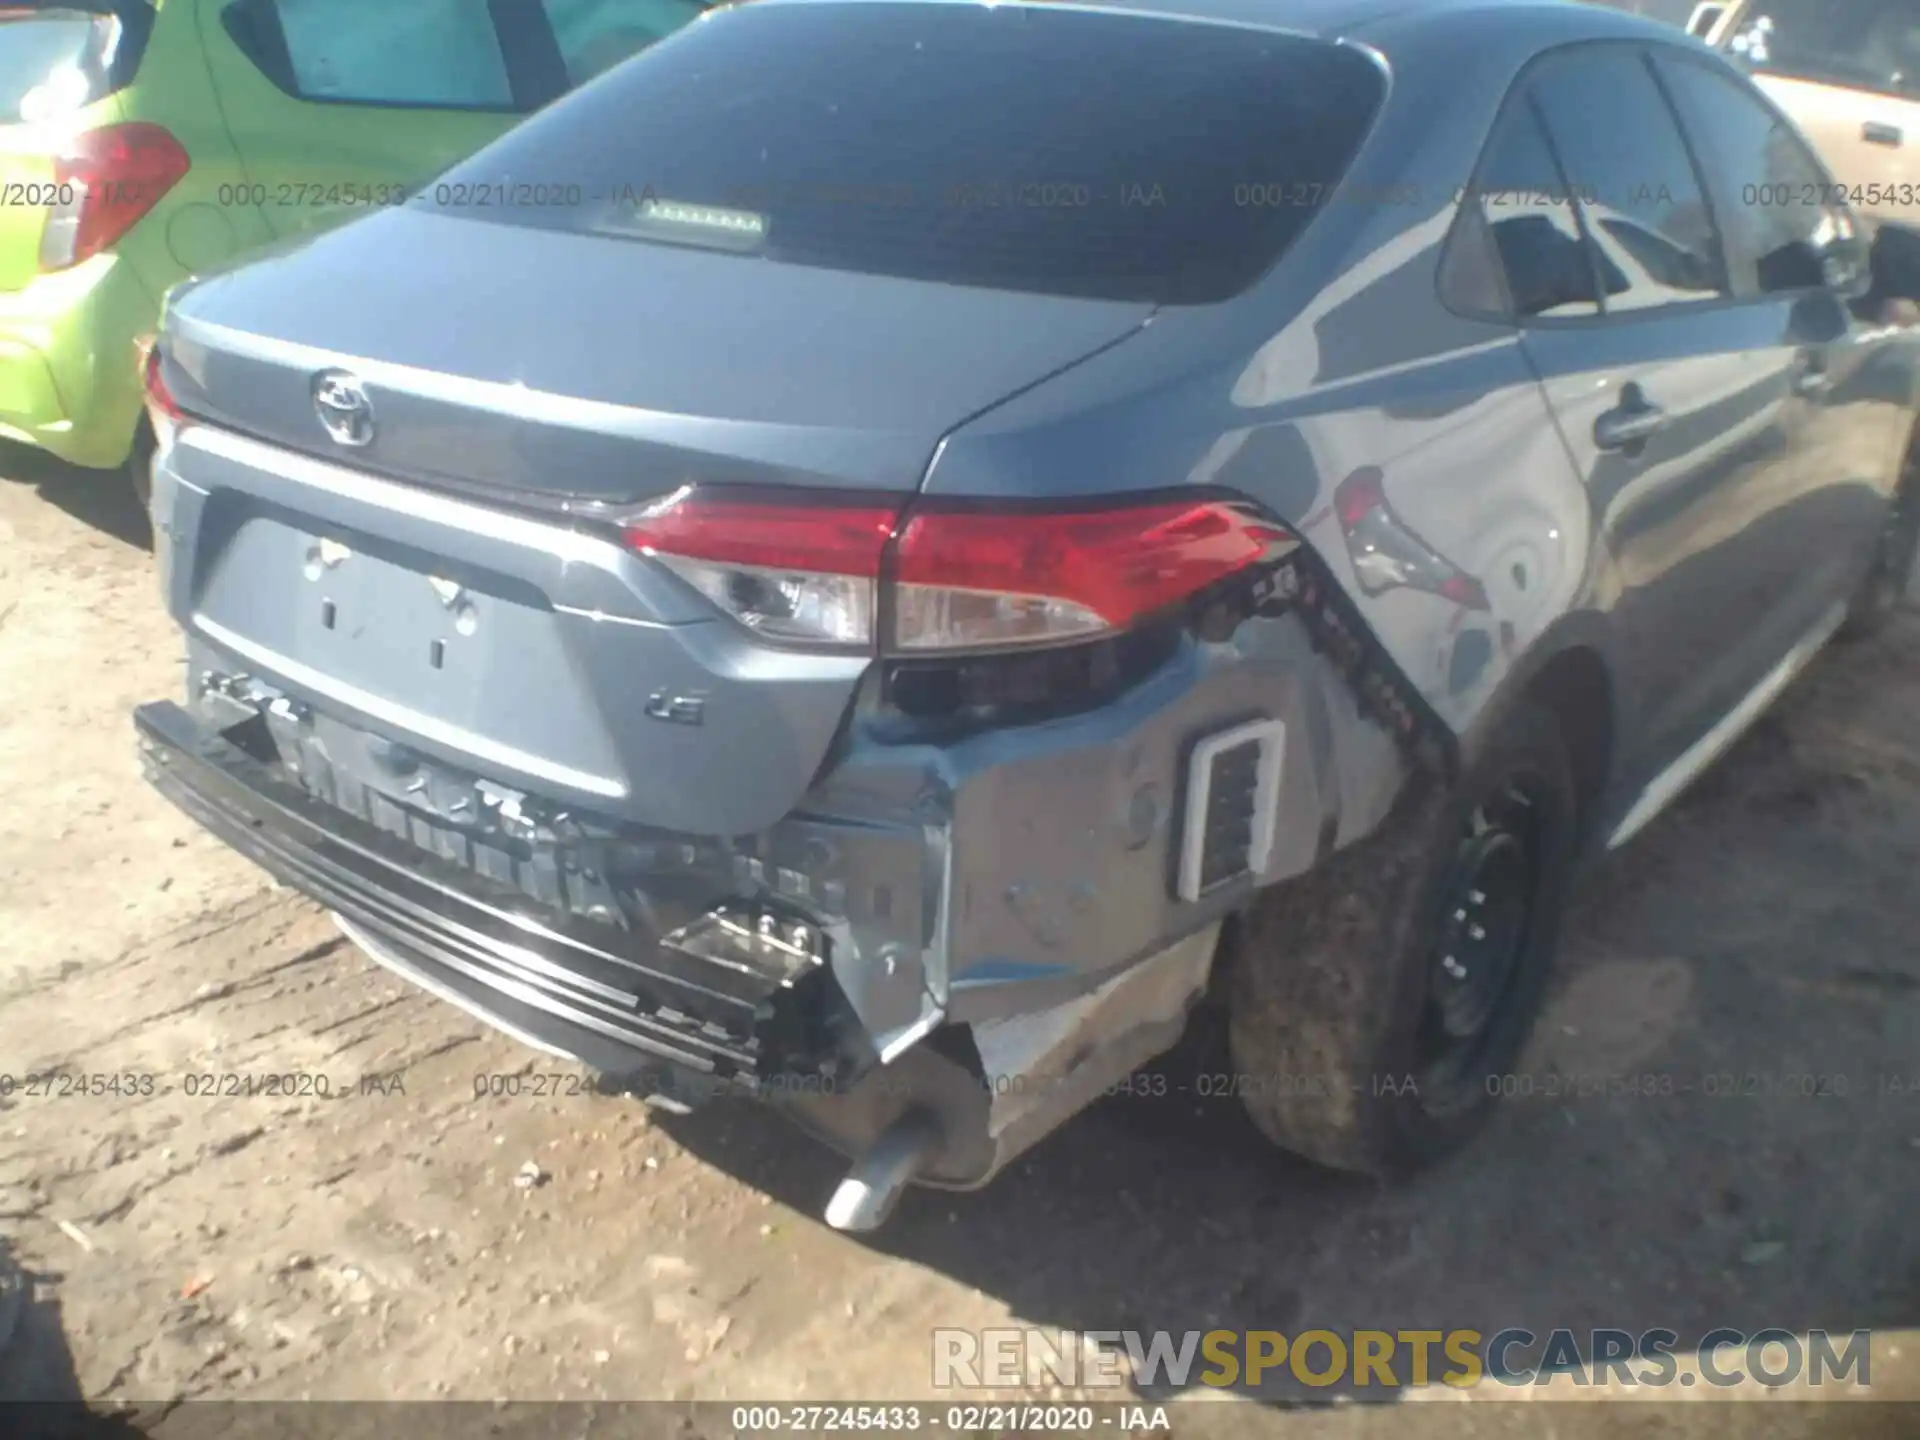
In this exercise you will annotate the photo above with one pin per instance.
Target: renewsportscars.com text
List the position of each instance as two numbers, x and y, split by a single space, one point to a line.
1012 1357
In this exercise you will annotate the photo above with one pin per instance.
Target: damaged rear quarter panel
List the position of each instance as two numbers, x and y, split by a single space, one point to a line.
1344 360
1065 838
1045 853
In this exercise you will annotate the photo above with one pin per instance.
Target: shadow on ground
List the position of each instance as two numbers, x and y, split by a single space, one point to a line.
102 499
1718 1124
39 1387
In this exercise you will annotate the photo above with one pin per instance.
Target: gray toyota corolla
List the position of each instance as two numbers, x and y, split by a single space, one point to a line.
880 553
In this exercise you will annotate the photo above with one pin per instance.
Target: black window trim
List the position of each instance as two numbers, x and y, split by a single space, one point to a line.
1519 93
1742 81
529 52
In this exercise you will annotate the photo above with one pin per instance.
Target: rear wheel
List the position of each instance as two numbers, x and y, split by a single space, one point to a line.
1883 594
1374 1004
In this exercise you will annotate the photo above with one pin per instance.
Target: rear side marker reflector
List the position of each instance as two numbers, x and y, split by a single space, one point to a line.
1233 801
809 570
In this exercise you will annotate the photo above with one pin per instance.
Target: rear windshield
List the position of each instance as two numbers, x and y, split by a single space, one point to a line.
1870 44
1068 152
54 60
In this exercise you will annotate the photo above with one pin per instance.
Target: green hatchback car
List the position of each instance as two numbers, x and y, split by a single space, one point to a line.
142 141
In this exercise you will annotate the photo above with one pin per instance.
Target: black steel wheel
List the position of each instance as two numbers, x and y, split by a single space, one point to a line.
1375 1004
1486 911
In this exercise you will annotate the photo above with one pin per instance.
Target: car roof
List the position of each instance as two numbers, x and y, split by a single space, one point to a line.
1509 20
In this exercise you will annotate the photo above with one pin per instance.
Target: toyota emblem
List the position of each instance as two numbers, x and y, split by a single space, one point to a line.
340 400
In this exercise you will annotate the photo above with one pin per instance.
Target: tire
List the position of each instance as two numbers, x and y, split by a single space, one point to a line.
1336 991
1883 593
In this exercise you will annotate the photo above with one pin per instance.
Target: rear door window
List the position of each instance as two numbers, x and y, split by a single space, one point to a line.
1070 152
1622 152
55 60
1778 203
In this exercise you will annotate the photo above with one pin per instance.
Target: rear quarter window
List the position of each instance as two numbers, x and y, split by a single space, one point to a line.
55 60
1110 156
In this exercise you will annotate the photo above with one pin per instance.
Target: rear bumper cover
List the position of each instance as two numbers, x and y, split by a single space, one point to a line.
618 1002
1016 892
656 1021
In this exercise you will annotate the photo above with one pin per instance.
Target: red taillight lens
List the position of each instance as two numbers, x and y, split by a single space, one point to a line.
961 579
108 179
968 579
159 397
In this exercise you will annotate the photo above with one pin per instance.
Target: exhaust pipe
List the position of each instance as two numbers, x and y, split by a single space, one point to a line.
865 1199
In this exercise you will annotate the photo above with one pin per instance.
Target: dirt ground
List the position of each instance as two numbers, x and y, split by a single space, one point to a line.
375 1243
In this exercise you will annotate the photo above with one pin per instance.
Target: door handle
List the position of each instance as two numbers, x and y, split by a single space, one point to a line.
1810 377
1630 422
1876 133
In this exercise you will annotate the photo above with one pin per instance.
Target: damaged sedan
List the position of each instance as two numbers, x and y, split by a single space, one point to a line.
881 553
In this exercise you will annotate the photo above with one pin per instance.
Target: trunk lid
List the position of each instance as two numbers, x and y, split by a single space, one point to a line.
456 620
552 366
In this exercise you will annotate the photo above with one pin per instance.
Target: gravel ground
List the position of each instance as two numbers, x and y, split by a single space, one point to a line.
375 1243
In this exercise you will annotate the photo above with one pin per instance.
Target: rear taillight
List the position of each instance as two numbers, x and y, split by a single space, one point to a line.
970 579
158 395
163 411
948 578
105 181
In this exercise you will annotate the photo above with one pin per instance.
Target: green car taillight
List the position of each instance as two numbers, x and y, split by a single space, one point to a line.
106 180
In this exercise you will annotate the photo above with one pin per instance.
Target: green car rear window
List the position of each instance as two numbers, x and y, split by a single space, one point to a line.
1068 152
55 59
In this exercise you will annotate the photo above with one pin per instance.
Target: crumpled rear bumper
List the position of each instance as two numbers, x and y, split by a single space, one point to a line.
615 999
676 1027
1003 924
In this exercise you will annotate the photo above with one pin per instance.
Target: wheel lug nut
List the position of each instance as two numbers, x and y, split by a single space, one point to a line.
1454 968
1478 897
1476 932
